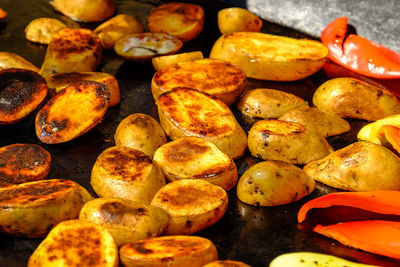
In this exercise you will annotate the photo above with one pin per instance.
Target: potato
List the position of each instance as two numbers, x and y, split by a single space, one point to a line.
31 209
192 205
361 166
182 20
72 112
42 29
325 123
163 61
21 163
287 141
76 243
270 57
11 60
172 251
21 92
216 77
85 10
226 263
3 13
371 132
235 19
272 183
126 173
187 112
117 27
268 103
72 50
196 158
140 131
126 220
352 98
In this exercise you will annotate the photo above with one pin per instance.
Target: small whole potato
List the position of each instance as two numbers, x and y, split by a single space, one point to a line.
85 10
235 19
42 29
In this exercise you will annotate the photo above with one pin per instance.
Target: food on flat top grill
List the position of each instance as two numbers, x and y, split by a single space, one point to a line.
3 13
42 29
85 10
235 19
11 60
163 61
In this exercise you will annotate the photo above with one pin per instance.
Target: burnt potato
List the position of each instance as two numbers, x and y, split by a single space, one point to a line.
41 30
235 19
11 60
85 10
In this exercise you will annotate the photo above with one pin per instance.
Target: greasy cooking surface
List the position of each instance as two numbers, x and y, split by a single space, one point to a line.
254 235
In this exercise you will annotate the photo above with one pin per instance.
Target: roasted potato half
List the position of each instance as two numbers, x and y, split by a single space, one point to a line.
42 29
287 141
192 204
127 173
163 61
126 220
196 158
216 77
172 251
235 19
187 112
141 132
226 263
183 20
76 243
11 60
21 163
85 10
270 57
361 166
31 209
352 98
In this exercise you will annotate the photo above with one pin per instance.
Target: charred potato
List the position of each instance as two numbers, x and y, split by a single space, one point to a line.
85 10
42 29
235 19
226 263
163 61
11 60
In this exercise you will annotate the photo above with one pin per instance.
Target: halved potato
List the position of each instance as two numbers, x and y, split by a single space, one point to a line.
42 29
126 173
236 19
188 112
21 92
163 61
85 10
270 57
287 141
31 209
196 158
72 112
226 263
192 205
172 251
216 77
11 60
183 20
76 243
371 132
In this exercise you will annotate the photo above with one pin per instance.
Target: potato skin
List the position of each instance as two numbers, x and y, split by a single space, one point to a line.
235 19
164 61
42 29
11 60
85 10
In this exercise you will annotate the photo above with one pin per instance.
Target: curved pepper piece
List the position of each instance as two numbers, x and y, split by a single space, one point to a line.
383 202
379 237
358 53
392 135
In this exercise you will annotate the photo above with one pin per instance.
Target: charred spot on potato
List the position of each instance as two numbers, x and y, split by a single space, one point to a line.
188 223
140 248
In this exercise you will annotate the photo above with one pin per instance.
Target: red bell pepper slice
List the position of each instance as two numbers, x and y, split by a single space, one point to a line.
379 237
358 53
392 135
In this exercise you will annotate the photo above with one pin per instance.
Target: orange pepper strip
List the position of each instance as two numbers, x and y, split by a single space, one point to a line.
392 135
383 202
379 237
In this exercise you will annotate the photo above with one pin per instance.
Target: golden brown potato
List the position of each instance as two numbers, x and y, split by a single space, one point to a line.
216 77
183 20
270 57
172 251
21 163
76 243
85 10
268 103
187 112
226 263
352 98
32 209
163 61
117 27
361 166
72 112
287 141
126 173
272 183
192 205
21 92
72 50
140 131
12 60
3 13
235 19
196 158
126 220
42 29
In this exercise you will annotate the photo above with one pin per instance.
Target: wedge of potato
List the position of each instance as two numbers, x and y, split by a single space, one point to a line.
85 10
41 30
183 20
361 166
172 251
286 141
371 131
226 263
11 60
352 98
192 204
31 209
126 173
163 61
76 243
270 57
216 77
196 158
187 112
236 19
72 112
